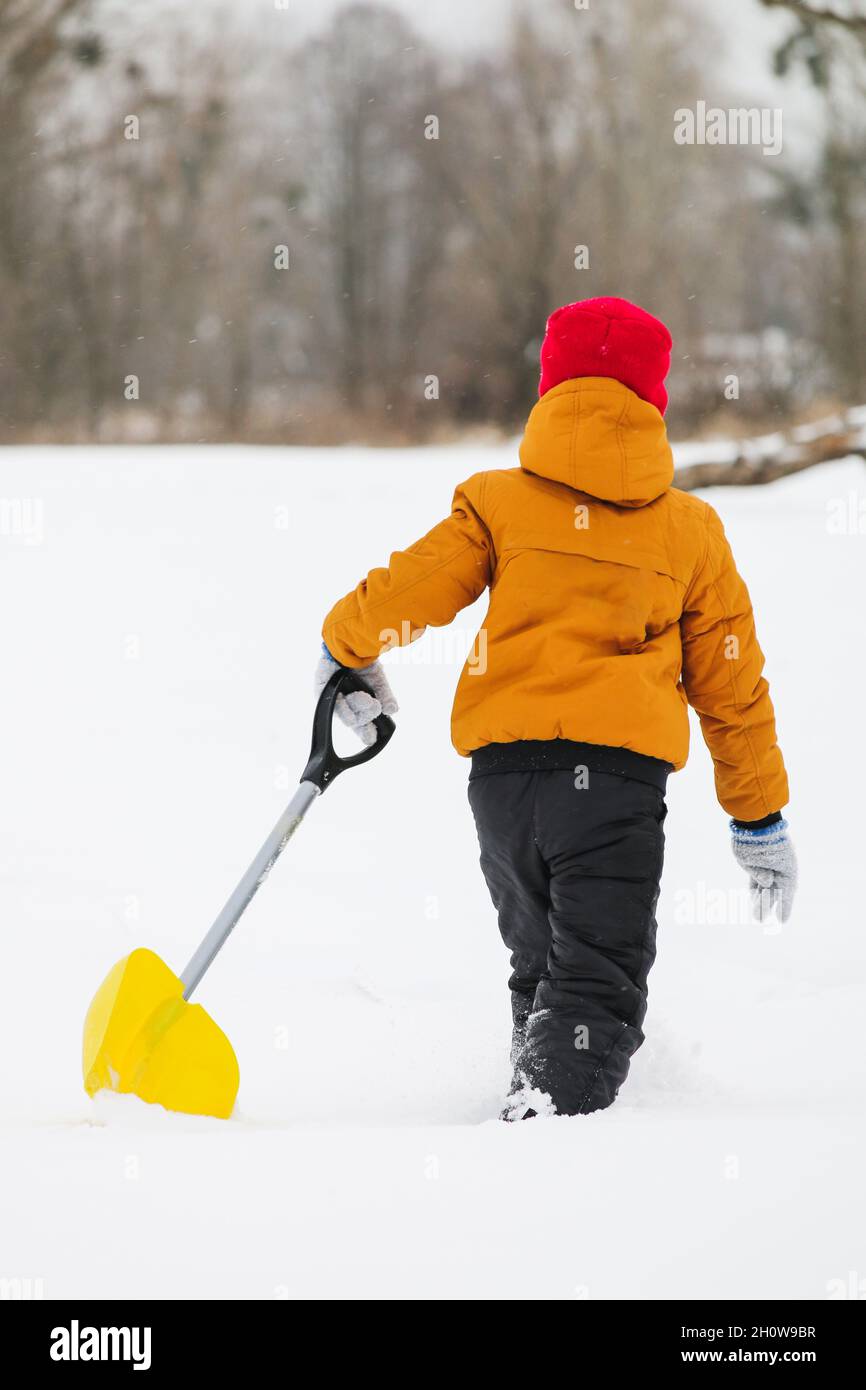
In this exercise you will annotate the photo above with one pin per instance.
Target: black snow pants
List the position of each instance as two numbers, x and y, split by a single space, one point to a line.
573 867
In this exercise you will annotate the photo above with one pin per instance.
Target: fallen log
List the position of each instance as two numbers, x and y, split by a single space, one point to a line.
763 460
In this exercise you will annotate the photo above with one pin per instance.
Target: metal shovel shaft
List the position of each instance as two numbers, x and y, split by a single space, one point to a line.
249 884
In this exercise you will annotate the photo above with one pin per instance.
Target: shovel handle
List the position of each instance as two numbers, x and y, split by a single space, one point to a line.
323 767
325 763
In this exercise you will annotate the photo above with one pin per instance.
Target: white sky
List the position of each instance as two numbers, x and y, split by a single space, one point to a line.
743 63
467 24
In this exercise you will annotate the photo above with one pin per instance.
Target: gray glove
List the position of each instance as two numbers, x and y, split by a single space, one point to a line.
768 857
358 709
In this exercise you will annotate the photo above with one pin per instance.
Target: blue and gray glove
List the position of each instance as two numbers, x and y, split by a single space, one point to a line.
358 710
767 855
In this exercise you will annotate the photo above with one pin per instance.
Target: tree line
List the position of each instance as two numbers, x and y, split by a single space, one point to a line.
222 232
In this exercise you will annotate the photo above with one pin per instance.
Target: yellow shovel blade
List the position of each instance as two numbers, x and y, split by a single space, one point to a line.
141 1036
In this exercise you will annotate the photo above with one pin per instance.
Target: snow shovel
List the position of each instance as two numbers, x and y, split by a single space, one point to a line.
141 1034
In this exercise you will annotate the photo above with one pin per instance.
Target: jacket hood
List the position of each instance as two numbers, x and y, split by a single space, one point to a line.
600 438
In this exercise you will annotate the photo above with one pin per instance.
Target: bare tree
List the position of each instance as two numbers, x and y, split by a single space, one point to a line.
434 208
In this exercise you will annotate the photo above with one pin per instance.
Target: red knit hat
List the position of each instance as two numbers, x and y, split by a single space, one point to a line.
607 337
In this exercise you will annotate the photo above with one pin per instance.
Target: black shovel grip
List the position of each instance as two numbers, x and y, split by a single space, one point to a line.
325 763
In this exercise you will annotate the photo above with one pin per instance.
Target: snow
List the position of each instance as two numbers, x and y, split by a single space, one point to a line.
162 619
691 451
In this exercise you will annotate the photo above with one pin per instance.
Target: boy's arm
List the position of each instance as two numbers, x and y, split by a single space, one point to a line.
424 586
722 676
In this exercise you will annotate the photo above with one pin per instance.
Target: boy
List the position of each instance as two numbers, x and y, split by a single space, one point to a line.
614 601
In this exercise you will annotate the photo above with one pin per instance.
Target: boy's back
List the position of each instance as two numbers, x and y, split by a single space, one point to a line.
607 586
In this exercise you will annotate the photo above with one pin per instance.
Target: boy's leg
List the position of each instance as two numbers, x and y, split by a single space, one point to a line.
603 846
517 877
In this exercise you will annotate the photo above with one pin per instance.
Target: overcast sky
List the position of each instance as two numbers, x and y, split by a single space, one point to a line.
748 30
468 24
465 24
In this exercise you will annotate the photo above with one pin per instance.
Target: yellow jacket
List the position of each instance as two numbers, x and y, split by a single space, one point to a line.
614 600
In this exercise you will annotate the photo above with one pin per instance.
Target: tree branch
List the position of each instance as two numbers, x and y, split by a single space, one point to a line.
799 8
40 41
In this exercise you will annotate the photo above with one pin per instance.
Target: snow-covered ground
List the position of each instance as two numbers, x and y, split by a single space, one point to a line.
161 621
